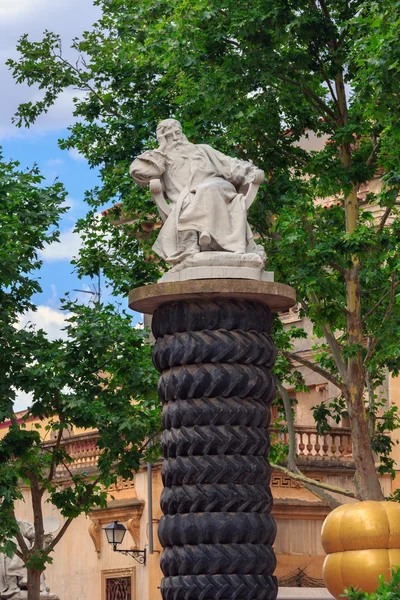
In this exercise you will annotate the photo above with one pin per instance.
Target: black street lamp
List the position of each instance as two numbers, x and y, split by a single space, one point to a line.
115 533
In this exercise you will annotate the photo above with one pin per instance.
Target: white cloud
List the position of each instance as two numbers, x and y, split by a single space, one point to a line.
66 249
76 155
49 319
54 162
22 400
52 321
33 17
70 203
11 10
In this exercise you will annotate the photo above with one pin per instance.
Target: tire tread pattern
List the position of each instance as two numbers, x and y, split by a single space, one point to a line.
215 439
197 315
246 412
217 528
215 559
248 347
220 587
216 498
220 379
214 469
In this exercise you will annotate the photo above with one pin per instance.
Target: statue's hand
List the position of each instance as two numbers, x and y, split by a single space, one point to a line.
163 143
155 186
258 177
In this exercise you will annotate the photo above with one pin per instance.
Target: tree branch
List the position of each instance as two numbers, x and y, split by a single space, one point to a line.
322 105
55 448
338 268
335 349
23 553
326 13
320 484
290 425
59 535
147 442
67 523
342 99
372 157
323 495
314 367
384 218
325 76
86 86
374 340
309 93
231 42
373 309
332 343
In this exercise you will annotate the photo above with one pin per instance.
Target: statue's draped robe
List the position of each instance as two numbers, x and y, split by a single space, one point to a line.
13 572
13 569
203 187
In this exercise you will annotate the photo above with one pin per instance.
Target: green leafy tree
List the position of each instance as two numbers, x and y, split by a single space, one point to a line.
253 80
100 377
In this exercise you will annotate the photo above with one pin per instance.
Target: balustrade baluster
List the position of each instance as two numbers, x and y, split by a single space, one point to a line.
333 446
341 445
349 449
325 446
317 446
309 445
301 445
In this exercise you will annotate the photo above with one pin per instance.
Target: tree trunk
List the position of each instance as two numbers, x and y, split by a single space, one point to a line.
366 477
33 584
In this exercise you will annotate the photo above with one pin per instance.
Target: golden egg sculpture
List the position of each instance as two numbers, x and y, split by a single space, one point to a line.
362 541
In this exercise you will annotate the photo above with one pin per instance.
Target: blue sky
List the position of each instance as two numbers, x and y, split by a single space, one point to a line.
39 144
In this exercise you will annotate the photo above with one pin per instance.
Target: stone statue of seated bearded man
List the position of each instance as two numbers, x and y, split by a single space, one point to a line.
207 220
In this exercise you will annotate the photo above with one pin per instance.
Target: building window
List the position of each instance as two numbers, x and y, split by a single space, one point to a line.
118 588
118 584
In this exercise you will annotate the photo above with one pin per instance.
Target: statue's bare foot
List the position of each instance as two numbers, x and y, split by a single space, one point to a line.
13 594
204 238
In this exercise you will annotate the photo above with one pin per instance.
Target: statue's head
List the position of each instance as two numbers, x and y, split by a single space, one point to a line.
170 131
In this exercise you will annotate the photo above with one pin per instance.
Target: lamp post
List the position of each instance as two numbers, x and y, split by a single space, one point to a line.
115 533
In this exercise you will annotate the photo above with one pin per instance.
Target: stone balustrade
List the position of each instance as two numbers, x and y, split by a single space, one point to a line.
83 451
334 444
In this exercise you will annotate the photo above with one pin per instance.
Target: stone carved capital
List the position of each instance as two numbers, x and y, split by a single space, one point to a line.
133 526
95 534
128 512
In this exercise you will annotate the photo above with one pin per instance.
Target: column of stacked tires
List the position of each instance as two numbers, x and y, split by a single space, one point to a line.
216 385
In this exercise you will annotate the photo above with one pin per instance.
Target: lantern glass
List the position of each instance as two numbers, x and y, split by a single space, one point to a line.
115 533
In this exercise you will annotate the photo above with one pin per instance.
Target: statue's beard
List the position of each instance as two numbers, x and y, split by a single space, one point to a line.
177 142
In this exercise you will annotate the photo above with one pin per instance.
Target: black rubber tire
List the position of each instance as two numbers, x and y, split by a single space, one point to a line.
219 587
218 559
216 528
216 411
215 439
197 315
215 469
216 357
221 345
216 498
219 379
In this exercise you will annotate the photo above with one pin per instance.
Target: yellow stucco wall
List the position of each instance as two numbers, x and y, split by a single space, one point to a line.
77 571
